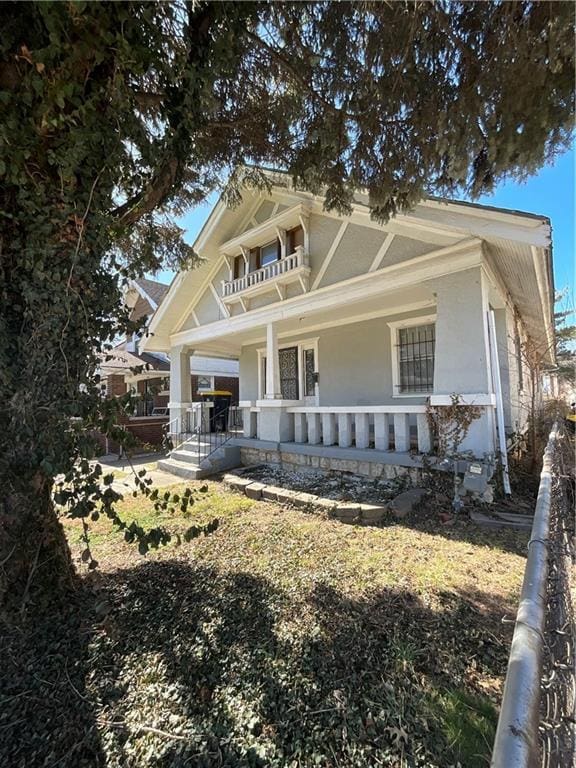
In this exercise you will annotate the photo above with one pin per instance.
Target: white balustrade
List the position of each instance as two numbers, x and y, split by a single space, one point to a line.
269 272
363 427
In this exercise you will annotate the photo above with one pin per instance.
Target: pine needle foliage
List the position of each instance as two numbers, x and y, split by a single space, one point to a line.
115 117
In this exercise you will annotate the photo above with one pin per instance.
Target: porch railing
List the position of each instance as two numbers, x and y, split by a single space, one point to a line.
204 427
270 271
382 427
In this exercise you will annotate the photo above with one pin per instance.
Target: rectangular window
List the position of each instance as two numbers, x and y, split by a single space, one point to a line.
239 267
295 238
416 358
205 383
269 253
309 373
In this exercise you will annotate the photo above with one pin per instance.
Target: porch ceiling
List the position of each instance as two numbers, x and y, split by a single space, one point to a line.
394 303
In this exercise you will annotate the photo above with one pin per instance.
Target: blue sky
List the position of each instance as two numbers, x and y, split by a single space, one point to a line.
550 192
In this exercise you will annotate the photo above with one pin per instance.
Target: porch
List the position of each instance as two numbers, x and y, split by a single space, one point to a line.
349 438
359 375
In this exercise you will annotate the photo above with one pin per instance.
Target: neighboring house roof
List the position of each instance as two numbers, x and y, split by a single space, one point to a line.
123 360
120 361
151 290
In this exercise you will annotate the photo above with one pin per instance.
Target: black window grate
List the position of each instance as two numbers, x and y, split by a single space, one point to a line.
416 346
309 373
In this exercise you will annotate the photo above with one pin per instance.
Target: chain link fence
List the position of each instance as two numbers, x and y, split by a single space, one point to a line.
558 687
537 720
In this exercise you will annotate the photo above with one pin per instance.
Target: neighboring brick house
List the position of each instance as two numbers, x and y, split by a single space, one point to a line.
147 374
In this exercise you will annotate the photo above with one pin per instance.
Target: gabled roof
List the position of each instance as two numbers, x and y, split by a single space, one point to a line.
518 245
151 290
120 360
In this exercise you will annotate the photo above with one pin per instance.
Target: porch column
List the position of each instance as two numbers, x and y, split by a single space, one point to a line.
401 432
300 428
180 387
272 364
462 357
328 429
313 424
344 430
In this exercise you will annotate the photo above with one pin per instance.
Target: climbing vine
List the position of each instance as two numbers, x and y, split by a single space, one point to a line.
450 424
115 118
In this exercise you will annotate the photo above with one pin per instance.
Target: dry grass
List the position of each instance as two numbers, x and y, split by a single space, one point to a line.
299 549
283 639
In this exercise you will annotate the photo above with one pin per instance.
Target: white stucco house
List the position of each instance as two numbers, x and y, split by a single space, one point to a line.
345 329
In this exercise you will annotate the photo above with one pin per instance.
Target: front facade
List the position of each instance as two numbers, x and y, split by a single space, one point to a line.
346 330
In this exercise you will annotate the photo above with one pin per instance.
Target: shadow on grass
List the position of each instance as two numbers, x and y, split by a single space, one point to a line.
192 667
47 717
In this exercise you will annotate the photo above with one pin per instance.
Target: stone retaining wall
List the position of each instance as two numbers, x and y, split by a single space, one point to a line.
301 462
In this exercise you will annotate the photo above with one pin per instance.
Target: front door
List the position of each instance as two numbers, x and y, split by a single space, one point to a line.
288 363
298 374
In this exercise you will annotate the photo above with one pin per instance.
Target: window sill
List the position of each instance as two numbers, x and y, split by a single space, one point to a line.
402 395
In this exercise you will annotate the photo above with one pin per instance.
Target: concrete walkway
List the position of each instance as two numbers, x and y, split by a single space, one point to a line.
125 469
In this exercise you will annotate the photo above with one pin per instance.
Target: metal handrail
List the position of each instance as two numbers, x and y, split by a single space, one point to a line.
174 438
217 438
516 744
200 434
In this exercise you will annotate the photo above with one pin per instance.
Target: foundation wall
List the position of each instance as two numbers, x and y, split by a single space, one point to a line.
301 462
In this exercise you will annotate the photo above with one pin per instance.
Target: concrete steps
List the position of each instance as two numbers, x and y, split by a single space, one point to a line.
182 469
188 456
192 461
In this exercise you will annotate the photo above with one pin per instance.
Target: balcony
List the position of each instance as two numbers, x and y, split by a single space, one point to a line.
273 277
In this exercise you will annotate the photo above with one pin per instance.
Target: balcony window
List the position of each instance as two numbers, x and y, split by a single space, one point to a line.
295 237
269 253
239 267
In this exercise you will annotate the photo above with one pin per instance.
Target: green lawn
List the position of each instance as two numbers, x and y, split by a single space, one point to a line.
286 639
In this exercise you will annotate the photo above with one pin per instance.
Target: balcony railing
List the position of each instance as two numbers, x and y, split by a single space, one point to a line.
274 270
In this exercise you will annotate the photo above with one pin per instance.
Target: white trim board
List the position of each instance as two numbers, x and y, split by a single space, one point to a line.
329 256
216 295
218 263
382 251
337 322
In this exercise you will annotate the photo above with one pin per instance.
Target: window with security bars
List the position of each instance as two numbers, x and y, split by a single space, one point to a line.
309 373
416 358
